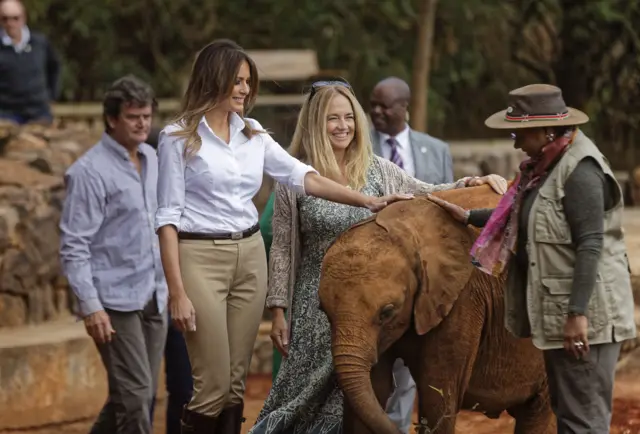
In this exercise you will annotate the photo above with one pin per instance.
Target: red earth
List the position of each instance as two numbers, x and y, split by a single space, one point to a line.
626 414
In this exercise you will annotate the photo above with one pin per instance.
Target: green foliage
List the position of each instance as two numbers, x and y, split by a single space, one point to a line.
483 48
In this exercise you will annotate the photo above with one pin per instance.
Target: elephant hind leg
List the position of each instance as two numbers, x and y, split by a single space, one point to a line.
534 416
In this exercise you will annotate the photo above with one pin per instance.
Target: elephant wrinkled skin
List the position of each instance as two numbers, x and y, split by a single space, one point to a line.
401 285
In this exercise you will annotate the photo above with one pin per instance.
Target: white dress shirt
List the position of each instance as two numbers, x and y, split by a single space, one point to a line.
19 46
211 191
404 149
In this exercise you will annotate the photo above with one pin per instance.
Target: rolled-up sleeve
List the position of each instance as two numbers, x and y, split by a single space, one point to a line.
82 217
170 181
282 167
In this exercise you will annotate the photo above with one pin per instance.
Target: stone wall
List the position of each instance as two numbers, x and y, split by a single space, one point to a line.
32 162
471 157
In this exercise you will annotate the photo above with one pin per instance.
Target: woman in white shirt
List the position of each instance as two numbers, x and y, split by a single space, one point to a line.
211 163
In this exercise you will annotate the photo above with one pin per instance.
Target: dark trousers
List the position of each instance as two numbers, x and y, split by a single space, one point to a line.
177 377
42 114
582 390
132 360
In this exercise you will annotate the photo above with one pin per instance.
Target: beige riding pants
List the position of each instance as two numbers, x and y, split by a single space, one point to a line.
226 281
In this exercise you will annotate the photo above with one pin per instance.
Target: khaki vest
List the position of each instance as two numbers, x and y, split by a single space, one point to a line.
551 259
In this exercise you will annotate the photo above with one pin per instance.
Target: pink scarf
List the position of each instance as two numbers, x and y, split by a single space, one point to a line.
497 241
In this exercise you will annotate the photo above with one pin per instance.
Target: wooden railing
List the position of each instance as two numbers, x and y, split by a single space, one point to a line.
165 106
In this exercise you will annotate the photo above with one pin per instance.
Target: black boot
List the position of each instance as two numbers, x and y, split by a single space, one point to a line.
230 420
196 423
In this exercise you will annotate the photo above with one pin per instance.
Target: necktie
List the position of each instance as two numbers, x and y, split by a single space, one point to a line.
395 155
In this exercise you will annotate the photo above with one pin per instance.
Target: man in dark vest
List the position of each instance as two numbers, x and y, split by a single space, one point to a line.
29 68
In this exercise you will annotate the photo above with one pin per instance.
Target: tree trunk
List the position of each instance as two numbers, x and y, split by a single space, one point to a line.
422 65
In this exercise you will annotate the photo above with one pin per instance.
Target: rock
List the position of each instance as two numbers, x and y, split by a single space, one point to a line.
8 221
483 157
32 165
21 175
16 276
25 141
13 310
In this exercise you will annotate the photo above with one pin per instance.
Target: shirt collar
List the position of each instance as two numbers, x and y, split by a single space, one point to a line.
21 46
236 122
401 137
116 147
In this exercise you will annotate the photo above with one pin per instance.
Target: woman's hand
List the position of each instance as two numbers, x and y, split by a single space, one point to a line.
319 186
497 182
458 213
575 336
375 204
280 332
183 314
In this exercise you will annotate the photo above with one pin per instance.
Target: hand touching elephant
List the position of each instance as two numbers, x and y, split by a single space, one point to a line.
457 212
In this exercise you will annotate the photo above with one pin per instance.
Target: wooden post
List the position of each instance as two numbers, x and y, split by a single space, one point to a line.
422 65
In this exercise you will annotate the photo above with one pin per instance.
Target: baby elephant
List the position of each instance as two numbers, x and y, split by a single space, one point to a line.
401 285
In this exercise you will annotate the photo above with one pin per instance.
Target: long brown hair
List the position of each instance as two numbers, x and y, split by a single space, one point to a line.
212 79
311 142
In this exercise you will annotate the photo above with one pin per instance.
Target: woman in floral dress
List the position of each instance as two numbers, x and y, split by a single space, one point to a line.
332 135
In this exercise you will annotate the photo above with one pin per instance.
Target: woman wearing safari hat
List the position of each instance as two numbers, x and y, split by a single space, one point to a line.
558 233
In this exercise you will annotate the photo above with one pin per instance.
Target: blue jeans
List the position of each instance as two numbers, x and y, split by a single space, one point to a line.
177 378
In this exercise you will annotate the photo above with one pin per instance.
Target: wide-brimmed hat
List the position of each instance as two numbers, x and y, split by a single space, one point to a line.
536 105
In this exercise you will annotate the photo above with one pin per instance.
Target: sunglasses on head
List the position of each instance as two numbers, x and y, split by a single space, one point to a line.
319 84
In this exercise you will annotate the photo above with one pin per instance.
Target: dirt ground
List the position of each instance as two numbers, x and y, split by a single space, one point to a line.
626 415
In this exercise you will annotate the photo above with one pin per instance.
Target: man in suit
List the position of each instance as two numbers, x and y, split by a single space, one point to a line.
423 157
420 155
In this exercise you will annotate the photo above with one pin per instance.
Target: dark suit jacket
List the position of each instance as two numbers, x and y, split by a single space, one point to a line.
431 157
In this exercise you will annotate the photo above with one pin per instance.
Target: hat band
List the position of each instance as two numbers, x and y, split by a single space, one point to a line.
528 117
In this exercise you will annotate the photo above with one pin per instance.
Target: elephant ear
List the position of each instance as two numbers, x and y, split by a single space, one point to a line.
440 247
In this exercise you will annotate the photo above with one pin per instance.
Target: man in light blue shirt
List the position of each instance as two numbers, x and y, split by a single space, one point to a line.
110 255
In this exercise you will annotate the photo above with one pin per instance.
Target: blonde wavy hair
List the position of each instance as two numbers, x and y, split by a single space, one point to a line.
212 79
311 142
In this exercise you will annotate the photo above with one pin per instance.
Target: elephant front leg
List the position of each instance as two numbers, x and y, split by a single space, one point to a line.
382 381
437 412
446 364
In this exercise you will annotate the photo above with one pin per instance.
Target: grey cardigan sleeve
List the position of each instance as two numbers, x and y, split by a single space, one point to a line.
586 199
479 217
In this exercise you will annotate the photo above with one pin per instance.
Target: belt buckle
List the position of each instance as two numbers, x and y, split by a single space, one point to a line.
236 235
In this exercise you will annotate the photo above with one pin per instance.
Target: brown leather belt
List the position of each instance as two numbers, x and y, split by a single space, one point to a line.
220 236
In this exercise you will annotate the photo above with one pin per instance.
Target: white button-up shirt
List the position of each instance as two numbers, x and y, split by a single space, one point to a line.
211 191
20 46
404 149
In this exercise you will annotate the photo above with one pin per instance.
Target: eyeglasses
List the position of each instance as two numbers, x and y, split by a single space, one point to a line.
319 84
7 18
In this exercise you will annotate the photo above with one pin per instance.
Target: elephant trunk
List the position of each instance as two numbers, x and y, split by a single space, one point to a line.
353 369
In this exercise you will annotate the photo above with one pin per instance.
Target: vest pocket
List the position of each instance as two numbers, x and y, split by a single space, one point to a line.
555 305
550 222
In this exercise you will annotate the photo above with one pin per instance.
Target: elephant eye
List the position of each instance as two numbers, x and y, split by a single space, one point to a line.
387 312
